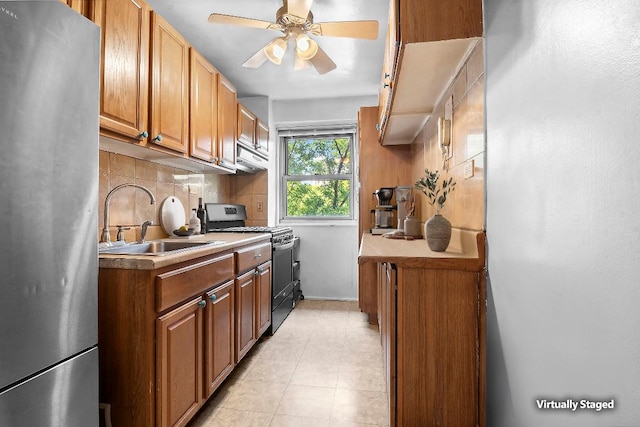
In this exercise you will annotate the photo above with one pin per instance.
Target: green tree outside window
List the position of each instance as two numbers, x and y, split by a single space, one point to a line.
318 177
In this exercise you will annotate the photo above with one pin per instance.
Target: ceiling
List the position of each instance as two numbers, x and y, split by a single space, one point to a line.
359 62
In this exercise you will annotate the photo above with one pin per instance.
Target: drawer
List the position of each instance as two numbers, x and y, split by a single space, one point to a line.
251 256
178 285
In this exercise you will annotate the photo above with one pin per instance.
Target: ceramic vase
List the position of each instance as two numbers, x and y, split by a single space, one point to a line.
437 231
412 226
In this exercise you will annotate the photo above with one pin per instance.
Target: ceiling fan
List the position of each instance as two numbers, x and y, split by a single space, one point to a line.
295 20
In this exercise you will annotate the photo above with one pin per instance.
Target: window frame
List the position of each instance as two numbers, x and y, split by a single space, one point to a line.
333 131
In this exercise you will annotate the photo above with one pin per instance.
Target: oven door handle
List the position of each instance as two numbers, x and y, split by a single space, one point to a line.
284 247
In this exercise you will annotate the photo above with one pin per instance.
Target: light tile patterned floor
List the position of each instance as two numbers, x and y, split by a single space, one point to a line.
322 368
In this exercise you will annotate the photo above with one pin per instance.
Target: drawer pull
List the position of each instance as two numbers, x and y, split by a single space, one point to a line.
257 256
202 304
213 297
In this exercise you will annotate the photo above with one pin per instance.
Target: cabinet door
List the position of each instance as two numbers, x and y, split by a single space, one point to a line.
246 126
124 67
169 87
179 364
219 336
245 313
263 298
204 104
262 137
437 351
388 64
80 6
227 110
389 280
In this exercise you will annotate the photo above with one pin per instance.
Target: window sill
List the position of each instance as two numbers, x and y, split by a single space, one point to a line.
320 223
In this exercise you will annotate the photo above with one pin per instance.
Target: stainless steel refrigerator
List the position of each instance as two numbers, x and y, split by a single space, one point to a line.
49 124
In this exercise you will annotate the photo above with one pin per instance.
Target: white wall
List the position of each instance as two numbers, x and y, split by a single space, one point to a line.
328 251
563 199
328 261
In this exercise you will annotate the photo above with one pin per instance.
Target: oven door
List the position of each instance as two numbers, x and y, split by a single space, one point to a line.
282 269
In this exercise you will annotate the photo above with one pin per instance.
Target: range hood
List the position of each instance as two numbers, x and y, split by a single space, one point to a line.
249 160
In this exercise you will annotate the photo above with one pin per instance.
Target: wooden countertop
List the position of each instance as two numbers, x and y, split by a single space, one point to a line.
152 262
465 252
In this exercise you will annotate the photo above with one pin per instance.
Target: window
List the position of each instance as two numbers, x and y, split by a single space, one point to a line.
317 181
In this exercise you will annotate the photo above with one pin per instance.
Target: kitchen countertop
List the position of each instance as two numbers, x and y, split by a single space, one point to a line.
152 262
465 252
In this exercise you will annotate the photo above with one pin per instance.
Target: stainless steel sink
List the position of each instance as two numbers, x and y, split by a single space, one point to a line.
157 247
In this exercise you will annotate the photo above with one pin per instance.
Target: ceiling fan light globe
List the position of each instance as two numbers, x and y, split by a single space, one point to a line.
308 52
275 50
302 42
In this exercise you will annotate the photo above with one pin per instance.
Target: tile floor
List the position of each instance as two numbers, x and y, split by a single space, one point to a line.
322 368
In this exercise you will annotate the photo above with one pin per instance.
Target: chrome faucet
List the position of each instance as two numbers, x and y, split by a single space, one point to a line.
106 236
143 231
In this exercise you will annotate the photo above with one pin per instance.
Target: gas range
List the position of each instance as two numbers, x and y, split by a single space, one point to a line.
229 218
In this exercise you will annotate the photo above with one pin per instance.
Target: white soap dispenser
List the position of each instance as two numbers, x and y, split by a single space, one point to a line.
194 222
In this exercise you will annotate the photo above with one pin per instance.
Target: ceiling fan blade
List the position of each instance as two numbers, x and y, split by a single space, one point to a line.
353 29
256 60
299 8
322 62
218 18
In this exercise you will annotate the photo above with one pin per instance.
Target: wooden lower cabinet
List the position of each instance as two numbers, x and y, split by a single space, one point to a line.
263 298
253 307
433 341
253 295
219 336
169 337
179 364
245 309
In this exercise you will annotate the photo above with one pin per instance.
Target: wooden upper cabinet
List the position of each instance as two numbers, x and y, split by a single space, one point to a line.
227 111
204 103
262 137
80 6
433 20
169 87
427 42
388 67
246 125
124 69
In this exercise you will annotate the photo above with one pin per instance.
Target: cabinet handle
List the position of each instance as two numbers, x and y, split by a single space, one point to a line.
386 85
143 134
257 256
255 273
202 304
387 75
158 138
378 127
213 297
260 270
